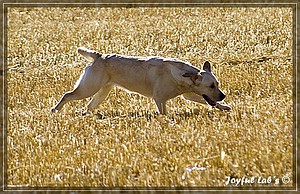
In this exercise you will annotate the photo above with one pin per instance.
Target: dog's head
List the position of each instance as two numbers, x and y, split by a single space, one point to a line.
205 83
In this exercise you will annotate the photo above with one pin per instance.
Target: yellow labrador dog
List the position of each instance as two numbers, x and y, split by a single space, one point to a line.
159 78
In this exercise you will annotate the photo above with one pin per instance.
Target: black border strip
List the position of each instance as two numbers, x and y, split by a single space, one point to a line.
296 106
136 5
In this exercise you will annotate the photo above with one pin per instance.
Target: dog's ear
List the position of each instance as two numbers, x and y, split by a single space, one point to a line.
207 66
192 76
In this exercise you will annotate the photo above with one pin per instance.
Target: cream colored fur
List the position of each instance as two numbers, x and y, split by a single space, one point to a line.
155 77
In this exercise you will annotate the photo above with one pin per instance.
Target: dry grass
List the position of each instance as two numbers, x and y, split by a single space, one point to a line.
126 143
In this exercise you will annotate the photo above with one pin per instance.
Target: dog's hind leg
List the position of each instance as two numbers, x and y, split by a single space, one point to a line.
99 97
88 84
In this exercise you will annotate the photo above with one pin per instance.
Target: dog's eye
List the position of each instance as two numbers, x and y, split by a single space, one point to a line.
212 86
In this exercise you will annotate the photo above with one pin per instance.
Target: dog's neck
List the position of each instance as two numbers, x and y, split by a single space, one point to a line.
184 87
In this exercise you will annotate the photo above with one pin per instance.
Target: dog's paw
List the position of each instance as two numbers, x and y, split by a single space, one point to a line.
223 107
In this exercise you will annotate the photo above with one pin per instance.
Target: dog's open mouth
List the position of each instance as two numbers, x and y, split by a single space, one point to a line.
209 101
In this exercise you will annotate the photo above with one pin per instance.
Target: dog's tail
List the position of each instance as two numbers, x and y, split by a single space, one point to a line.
90 54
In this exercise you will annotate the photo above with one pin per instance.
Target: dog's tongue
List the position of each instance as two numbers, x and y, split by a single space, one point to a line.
209 101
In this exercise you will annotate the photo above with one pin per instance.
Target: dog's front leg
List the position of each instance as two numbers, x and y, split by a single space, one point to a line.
161 106
197 98
194 97
223 106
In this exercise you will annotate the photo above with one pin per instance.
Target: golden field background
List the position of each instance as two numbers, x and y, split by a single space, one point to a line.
125 142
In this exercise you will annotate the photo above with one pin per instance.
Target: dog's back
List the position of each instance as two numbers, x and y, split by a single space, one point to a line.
139 74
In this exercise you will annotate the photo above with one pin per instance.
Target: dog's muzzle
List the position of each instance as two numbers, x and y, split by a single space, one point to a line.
210 101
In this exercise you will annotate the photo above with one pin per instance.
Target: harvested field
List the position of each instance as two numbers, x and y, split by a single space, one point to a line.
125 142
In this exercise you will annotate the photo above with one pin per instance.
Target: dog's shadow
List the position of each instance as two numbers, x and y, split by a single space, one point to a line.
114 114
147 114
